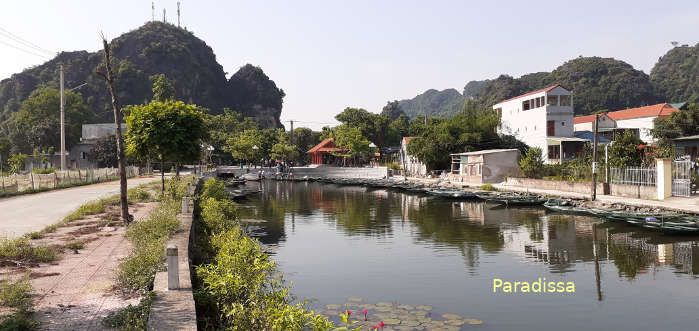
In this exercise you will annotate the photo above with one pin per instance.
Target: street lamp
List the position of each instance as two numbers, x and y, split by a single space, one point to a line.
255 148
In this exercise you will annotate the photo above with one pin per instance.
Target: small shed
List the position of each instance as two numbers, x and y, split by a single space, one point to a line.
320 154
486 166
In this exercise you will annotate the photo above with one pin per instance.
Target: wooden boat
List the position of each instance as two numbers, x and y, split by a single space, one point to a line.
514 200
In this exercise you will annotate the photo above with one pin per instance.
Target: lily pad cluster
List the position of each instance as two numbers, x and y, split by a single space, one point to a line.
396 316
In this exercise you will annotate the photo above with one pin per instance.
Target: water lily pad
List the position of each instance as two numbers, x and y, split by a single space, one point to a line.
451 316
384 304
473 321
406 307
333 306
368 306
410 323
352 305
331 313
392 321
427 308
455 322
384 308
419 313
355 299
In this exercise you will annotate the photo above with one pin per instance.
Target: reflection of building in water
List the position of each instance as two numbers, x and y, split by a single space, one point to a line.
540 239
684 256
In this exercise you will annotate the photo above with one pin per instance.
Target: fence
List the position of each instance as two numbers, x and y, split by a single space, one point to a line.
19 183
633 176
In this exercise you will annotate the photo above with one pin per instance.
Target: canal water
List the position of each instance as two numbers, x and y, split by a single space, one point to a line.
338 242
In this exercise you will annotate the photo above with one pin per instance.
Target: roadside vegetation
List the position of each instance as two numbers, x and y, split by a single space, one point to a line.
17 306
237 286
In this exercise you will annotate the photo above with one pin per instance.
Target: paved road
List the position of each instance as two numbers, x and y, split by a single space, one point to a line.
33 212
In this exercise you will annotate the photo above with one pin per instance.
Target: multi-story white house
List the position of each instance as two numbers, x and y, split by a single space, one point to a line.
544 119
411 165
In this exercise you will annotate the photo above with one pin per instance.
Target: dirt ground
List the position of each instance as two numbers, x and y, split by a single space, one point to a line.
78 289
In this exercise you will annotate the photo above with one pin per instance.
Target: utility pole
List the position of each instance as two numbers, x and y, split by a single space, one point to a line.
63 125
152 11
291 134
594 161
178 14
164 19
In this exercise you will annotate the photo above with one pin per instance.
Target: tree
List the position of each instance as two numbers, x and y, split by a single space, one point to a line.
104 152
169 131
305 139
241 145
162 89
16 162
38 122
351 138
281 149
109 80
626 151
678 124
221 127
532 164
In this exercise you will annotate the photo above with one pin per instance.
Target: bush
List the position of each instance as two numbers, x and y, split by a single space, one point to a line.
531 165
214 189
45 171
487 187
16 295
218 215
137 272
21 249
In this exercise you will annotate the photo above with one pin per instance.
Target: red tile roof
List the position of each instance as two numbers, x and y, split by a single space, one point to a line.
408 139
546 89
661 109
324 146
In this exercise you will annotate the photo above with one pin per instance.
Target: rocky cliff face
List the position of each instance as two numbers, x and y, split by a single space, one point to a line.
154 48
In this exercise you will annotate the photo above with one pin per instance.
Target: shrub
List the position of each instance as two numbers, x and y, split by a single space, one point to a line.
16 295
214 189
487 187
532 164
45 171
21 249
218 215
137 272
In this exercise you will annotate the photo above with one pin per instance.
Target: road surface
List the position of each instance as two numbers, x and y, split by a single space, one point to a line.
32 212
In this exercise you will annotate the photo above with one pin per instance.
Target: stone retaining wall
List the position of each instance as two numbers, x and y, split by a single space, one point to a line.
634 191
328 172
558 185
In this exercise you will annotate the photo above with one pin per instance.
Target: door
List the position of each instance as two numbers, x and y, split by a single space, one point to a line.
551 128
681 177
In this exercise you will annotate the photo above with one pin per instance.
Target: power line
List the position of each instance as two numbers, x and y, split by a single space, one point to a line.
24 50
24 41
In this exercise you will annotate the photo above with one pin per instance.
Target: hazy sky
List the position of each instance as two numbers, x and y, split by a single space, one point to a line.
328 55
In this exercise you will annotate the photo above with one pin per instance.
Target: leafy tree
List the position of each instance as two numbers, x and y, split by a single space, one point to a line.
678 124
625 151
16 162
241 145
351 138
532 164
399 128
281 149
162 89
392 110
167 131
104 152
38 120
305 139
221 127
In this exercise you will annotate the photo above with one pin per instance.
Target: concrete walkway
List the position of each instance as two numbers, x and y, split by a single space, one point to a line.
32 212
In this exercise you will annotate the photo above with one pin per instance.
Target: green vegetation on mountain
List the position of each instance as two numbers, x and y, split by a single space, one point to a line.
140 56
434 103
676 74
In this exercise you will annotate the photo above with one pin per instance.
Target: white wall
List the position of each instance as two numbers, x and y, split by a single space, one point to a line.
530 126
643 124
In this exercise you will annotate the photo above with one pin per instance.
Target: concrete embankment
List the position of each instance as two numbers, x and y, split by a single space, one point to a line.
324 172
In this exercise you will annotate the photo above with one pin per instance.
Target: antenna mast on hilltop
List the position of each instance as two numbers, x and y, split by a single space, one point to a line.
152 6
178 14
164 18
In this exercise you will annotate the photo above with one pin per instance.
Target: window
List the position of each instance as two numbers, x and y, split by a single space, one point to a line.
525 105
538 102
543 101
563 123
83 155
554 153
553 100
550 128
565 100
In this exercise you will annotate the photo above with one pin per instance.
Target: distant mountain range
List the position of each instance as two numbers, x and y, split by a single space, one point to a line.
597 84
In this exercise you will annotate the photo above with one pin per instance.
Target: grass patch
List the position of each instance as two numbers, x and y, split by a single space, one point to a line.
16 295
21 249
75 246
34 235
131 317
487 187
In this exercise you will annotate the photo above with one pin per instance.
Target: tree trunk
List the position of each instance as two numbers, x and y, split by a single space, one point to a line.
177 170
162 176
109 78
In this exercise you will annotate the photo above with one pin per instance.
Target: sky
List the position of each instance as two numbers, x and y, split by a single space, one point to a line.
329 55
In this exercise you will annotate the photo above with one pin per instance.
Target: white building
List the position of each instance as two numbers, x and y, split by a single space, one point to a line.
486 166
411 165
640 120
544 119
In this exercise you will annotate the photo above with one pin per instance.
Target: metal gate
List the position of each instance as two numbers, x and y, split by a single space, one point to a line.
681 177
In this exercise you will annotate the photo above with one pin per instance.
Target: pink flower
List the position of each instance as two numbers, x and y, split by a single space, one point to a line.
376 327
381 325
365 312
349 312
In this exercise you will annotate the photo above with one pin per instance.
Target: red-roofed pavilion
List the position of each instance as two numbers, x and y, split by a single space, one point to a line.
325 146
